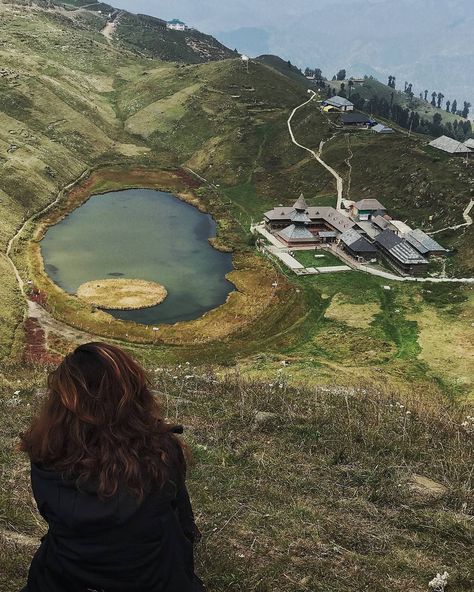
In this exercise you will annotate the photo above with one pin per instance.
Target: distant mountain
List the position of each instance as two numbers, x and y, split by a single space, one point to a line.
426 42
249 40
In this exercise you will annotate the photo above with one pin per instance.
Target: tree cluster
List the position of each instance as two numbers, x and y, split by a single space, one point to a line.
437 99
315 73
410 119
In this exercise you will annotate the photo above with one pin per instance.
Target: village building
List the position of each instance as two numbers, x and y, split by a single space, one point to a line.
357 81
450 146
469 144
399 227
424 244
379 128
356 120
400 254
176 25
357 246
337 103
302 225
366 209
368 230
381 222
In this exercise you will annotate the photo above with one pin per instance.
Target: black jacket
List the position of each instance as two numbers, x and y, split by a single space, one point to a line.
117 545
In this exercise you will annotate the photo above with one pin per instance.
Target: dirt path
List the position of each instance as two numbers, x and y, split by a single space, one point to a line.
32 309
348 162
111 26
317 155
465 215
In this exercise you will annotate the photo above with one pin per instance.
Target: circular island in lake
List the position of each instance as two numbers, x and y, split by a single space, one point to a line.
122 294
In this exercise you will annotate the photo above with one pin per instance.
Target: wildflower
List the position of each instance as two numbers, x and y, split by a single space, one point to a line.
438 583
468 425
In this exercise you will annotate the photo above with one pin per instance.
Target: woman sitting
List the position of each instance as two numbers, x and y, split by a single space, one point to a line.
108 476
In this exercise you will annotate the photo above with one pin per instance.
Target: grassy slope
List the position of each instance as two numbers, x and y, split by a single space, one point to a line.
284 68
232 129
316 498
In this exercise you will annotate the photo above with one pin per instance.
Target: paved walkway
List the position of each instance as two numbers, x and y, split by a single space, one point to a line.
466 217
317 155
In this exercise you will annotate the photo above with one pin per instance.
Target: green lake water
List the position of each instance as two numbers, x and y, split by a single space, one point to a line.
141 234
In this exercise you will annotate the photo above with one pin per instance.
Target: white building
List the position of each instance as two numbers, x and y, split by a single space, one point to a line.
176 25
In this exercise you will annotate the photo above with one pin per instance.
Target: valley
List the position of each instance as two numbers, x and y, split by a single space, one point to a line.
128 115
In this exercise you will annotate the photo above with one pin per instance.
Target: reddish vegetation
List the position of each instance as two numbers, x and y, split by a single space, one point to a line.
191 181
36 351
39 297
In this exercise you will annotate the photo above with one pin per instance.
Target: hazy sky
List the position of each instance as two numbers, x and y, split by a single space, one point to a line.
214 15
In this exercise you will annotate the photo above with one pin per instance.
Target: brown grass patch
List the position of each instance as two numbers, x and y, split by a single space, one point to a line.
447 343
122 294
358 316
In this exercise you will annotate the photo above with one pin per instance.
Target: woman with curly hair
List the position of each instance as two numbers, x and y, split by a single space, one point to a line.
108 476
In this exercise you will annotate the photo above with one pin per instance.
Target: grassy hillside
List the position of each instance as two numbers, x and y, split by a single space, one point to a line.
372 87
320 352
146 34
285 68
294 489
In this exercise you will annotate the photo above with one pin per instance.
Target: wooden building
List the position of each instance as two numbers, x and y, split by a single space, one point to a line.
303 225
400 254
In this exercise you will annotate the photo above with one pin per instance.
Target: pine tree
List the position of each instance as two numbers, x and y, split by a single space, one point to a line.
454 107
448 105
433 98
466 108
341 75
426 95
440 99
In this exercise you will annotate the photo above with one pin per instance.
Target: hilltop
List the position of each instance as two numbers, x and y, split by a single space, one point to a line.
364 93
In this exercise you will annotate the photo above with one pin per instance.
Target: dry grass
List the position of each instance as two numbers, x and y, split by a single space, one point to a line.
122 294
340 488
447 343
358 316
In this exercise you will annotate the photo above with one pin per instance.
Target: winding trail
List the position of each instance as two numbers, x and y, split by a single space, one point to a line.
33 309
111 26
466 217
349 165
317 155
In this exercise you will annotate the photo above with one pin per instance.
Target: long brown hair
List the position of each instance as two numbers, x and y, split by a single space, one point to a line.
101 424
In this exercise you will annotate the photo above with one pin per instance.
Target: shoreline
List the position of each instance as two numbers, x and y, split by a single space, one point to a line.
251 276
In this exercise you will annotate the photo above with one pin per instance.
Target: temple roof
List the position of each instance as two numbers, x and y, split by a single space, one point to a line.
296 234
301 204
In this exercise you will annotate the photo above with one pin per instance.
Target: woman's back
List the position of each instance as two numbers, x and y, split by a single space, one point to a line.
107 533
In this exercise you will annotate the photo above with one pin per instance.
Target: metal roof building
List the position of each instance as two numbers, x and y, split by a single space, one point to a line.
382 129
338 101
469 143
356 119
357 245
296 235
449 145
370 204
423 243
401 253
380 222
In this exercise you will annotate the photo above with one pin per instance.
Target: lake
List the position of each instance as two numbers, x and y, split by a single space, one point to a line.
141 234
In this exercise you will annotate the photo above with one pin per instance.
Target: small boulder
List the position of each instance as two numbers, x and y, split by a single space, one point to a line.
264 419
427 487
